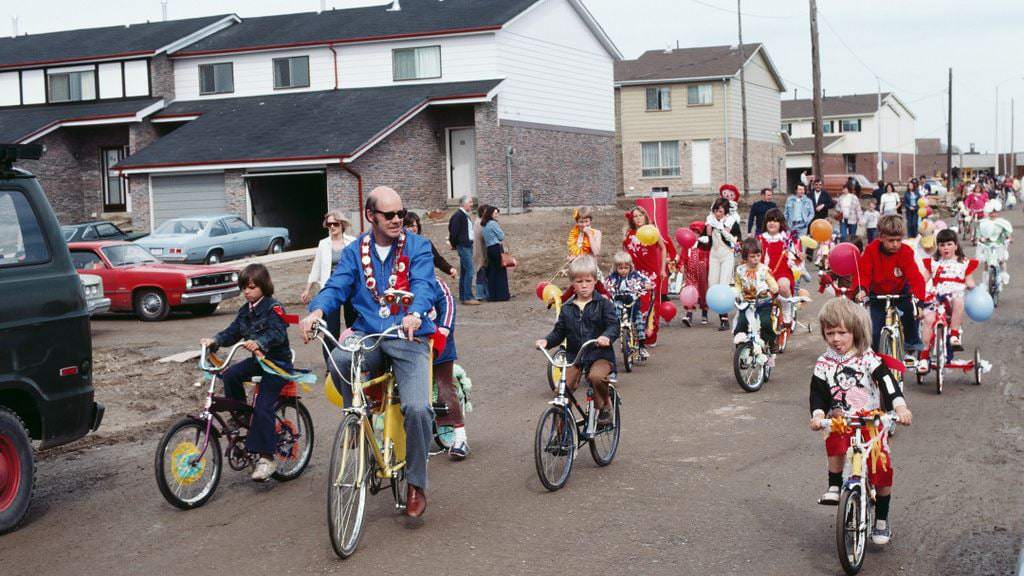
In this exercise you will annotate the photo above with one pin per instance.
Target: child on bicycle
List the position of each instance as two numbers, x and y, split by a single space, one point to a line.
443 315
587 316
996 233
260 325
950 275
755 285
626 283
887 267
848 379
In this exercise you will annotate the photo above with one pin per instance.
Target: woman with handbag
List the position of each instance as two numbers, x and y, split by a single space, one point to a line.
497 259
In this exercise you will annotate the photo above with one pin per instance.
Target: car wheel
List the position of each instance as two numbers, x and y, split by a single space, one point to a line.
151 305
202 309
276 247
17 470
214 257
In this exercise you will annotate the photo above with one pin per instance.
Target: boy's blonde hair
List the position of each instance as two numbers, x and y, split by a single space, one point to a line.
584 265
622 258
843 312
892 225
581 213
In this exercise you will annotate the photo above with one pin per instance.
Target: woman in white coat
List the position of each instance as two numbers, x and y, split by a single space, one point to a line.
328 253
723 230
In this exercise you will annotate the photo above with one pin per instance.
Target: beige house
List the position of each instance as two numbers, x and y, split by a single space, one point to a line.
679 122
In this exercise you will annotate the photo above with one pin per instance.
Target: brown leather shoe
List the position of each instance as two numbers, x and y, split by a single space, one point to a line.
471 302
415 502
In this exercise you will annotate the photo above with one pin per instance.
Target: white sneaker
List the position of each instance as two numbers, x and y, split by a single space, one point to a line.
922 366
831 497
882 533
955 340
265 468
739 338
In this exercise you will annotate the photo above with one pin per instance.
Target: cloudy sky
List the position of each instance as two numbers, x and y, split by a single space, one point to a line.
908 44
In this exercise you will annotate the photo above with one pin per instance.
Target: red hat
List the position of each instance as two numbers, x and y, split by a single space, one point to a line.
698 227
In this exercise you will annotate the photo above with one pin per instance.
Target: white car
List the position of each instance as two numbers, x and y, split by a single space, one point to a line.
936 186
92 287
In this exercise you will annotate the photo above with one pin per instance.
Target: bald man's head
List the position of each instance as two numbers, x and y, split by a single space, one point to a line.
385 212
379 194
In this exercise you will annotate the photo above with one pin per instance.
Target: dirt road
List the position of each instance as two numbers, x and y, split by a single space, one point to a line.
708 479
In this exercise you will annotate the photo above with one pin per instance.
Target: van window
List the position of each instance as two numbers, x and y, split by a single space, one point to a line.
21 236
86 260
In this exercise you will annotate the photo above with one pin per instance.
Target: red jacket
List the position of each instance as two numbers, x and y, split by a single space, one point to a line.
882 273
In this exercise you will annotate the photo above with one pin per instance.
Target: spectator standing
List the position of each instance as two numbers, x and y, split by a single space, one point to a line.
890 201
799 211
497 276
823 202
849 214
910 198
460 238
325 260
755 220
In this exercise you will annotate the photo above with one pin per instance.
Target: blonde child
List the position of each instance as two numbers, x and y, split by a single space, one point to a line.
755 284
849 378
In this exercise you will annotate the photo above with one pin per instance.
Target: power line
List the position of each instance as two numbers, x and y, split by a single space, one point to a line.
731 11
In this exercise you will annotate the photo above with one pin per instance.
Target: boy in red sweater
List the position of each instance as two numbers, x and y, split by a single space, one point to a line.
887 267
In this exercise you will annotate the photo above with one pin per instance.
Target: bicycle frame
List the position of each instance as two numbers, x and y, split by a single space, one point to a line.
566 399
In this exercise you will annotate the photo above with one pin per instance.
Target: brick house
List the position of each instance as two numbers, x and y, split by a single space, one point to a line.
679 119
84 95
851 126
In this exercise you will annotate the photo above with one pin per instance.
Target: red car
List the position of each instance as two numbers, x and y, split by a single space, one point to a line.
137 282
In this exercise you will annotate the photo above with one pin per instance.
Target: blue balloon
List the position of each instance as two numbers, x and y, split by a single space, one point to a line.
978 304
721 298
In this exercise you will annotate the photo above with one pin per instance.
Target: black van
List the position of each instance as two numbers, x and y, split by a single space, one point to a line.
46 391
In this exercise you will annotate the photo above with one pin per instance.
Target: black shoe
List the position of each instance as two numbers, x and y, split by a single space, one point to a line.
688 320
704 318
604 419
724 325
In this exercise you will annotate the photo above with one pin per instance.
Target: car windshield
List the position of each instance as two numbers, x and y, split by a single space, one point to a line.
67 232
127 255
182 227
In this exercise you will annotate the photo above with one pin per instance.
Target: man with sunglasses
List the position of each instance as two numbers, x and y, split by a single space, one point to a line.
387 257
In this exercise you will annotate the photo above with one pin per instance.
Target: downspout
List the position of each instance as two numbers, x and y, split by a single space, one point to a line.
359 187
727 104
335 53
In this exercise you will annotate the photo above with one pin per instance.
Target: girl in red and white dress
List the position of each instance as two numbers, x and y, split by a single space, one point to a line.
778 249
950 275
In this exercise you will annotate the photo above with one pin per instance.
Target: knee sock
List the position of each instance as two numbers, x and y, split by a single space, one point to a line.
882 507
835 479
787 312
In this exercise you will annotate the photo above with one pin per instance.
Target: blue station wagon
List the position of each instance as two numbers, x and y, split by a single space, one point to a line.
212 239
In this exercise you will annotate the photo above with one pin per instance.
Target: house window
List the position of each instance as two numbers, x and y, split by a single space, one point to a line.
417 63
698 95
660 159
849 125
216 78
115 187
850 163
826 127
658 99
291 72
788 128
72 86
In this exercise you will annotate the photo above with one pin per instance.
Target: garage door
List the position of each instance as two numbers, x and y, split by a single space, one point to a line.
191 195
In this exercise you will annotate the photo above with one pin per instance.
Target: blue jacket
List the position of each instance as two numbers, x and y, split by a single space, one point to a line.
910 198
264 325
575 326
799 211
348 284
443 315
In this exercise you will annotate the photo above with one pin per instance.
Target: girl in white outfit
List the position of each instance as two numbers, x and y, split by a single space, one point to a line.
723 231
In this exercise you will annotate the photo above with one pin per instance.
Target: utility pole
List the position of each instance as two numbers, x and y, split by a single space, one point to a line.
949 133
1013 155
999 165
743 100
816 85
881 159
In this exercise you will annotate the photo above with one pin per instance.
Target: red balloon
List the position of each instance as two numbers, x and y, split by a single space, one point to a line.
843 259
686 238
668 311
540 290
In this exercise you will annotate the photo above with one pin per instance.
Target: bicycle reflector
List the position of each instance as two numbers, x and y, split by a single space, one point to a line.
406 301
390 298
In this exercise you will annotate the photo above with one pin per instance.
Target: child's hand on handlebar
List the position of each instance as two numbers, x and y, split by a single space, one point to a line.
903 415
252 346
207 342
603 341
817 423
541 344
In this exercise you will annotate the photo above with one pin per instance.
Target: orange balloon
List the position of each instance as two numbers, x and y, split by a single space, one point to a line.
821 230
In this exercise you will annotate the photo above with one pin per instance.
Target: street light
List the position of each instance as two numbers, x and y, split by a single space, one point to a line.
999 160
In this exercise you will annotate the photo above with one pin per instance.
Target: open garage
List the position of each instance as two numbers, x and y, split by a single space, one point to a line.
293 200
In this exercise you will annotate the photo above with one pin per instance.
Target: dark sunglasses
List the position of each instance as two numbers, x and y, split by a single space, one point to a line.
391 215
332 224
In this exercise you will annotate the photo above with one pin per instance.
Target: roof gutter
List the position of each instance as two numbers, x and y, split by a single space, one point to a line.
359 188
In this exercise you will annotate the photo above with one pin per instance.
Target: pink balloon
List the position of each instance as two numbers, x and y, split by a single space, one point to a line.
689 296
843 259
686 238
940 225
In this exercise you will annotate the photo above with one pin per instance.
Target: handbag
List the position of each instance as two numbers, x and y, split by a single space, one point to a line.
507 260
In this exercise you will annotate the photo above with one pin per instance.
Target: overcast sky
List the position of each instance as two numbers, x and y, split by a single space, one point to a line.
909 44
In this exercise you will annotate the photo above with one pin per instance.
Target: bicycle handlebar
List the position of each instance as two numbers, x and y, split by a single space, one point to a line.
565 365
224 363
883 420
321 332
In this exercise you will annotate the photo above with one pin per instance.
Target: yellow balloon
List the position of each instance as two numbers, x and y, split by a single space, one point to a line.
332 394
808 243
922 212
928 242
924 227
922 202
648 235
551 293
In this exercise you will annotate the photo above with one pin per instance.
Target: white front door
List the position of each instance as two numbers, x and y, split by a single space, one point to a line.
700 163
462 162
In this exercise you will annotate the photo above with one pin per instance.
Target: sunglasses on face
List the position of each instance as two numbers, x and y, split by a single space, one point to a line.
391 215
332 224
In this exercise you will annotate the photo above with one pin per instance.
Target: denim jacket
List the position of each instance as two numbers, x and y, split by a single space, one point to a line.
264 325
575 326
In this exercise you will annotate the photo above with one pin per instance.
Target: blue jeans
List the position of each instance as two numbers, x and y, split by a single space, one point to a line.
262 437
411 364
910 326
847 231
872 234
466 273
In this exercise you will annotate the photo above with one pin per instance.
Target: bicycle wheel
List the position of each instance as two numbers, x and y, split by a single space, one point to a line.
294 439
851 535
940 357
554 447
186 477
993 284
554 373
977 367
627 350
748 374
346 491
605 443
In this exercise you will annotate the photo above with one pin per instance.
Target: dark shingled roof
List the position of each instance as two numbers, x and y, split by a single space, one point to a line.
806 145
416 17
306 125
850 105
72 45
17 123
683 63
